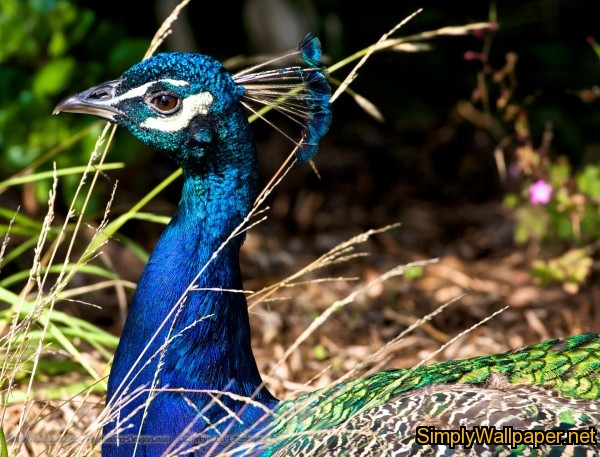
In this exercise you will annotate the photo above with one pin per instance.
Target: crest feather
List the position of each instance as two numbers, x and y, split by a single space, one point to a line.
300 92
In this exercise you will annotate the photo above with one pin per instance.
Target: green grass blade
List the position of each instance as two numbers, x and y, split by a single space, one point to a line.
87 269
62 172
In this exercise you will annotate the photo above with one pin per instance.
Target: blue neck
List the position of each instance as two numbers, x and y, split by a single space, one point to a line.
209 330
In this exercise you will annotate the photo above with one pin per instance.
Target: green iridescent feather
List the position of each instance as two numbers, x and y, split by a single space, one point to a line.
551 385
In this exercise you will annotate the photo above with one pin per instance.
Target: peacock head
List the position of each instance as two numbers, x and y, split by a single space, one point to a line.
169 101
186 104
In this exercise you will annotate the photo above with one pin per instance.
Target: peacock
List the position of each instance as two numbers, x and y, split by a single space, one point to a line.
184 380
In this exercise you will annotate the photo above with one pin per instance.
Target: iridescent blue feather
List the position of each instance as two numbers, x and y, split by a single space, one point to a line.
320 114
300 93
310 50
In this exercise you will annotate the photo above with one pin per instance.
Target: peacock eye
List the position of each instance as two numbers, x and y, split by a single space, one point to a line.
166 103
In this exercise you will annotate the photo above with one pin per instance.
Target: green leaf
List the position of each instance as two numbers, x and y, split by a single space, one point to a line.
58 44
126 53
54 77
415 272
532 223
3 447
588 181
571 269
319 352
560 172
511 201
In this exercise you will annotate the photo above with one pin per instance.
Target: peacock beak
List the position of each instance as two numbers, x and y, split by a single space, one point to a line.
97 100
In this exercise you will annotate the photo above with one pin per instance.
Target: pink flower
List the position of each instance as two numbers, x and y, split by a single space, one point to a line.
540 192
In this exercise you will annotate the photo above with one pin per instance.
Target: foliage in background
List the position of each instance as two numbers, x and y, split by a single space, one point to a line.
556 206
47 47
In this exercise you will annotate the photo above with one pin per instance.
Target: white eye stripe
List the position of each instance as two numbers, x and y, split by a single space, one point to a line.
140 91
190 107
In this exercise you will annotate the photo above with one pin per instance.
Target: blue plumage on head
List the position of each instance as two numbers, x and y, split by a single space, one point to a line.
206 73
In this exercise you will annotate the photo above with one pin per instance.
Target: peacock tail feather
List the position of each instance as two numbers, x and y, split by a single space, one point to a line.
552 385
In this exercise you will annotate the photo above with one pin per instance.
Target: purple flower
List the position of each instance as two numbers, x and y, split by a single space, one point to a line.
540 192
